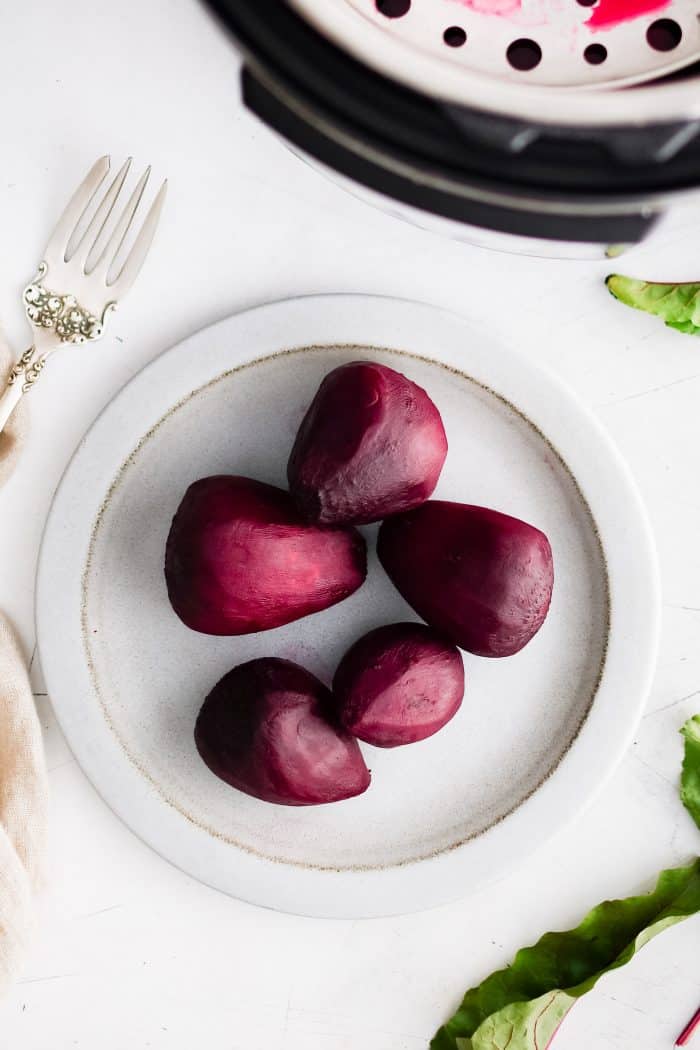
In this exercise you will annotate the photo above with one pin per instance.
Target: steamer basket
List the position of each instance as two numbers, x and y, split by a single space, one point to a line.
561 126
563 43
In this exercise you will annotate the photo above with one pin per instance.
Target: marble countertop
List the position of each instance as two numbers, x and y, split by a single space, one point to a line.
130 952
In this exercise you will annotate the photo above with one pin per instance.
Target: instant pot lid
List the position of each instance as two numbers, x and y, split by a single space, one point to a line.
528 59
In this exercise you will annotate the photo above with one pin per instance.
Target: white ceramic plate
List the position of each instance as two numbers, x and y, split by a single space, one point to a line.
537 733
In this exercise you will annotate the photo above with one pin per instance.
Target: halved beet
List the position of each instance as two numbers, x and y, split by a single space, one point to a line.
482 578
240 559
265 730
399 684
371 444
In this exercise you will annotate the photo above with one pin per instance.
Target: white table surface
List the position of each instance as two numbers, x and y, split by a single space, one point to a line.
131 953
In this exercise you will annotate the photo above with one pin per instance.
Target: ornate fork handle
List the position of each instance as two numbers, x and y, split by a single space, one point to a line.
61 313
14 389
27 369
22 366
63 320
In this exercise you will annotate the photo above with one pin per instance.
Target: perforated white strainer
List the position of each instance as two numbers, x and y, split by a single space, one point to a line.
565 43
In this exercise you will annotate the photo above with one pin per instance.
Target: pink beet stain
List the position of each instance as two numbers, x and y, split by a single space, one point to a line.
612 12
492 7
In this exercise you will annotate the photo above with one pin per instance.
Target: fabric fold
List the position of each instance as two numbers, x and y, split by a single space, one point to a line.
23 805
23 777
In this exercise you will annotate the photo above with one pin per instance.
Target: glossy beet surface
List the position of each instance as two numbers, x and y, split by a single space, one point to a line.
482 578
371 444
264 729
240 559
399 684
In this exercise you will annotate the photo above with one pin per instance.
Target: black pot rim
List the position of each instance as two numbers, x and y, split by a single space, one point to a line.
455 162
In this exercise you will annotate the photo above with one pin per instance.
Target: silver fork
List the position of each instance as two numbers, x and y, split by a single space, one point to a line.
76 287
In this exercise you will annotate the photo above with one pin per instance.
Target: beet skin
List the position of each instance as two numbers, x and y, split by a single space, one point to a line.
265 730
482 578
371 444
240 559
399 684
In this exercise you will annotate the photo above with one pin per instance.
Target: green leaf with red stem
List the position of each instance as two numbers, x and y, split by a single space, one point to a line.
522 1006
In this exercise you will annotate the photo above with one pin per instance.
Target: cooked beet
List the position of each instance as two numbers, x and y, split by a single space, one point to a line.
482 578
265 730
371 444
399 684
240 559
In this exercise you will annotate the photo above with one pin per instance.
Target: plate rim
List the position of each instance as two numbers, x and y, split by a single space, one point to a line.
357 893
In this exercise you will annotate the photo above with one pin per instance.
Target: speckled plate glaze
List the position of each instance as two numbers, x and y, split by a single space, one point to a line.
537 733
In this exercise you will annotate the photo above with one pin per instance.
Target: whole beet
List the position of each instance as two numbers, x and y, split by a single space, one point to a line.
240 559
481 577
265 730
398 684
371 444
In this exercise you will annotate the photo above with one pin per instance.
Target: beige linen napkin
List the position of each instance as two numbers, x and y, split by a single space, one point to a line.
23 780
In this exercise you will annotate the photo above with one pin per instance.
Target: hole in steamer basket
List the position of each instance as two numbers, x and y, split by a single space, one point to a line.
454 36
664 34
595 54
393 8
524 54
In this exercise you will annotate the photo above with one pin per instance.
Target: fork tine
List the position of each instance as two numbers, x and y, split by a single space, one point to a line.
58 242
139 250
86 245
111 248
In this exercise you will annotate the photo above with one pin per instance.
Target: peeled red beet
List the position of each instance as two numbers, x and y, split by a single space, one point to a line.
371 444
482 578
240 559
265 730
399 684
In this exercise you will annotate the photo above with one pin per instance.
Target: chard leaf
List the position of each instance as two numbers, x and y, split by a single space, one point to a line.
676 304
690 777
521 1007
